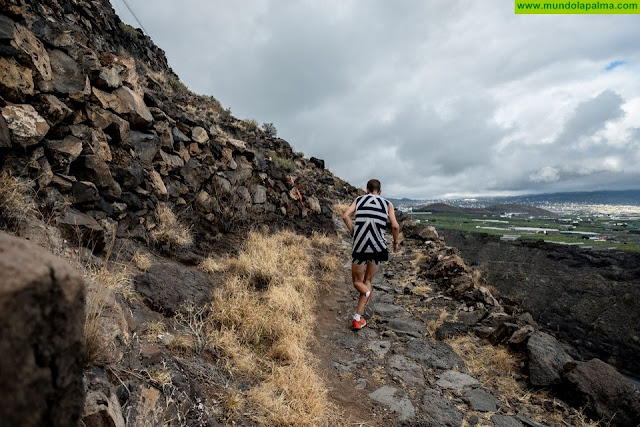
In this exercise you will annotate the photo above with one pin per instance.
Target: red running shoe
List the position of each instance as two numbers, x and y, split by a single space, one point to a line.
357 325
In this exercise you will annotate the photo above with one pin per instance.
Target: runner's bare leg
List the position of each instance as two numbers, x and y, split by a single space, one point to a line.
358 275
369 273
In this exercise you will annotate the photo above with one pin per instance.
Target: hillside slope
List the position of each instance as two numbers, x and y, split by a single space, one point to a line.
216 286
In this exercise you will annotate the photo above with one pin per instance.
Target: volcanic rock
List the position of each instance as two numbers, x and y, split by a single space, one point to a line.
26 43
546 359
42 345
198 134
64 152
440 411
606 394
5 134
26 125
82 227
319 163
395 401
67 77
7 28
16 81
52 109
434 354
168 286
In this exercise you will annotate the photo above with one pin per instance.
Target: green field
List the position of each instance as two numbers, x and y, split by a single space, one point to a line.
617 235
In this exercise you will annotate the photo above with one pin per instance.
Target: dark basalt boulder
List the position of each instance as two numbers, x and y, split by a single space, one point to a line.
42 345
547 359
605 393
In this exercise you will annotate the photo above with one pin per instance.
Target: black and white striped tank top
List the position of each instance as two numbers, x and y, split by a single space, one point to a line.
369 227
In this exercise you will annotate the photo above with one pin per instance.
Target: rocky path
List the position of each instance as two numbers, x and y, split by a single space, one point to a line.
400 369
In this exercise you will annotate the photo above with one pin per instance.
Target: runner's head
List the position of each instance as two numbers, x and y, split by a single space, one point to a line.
373 186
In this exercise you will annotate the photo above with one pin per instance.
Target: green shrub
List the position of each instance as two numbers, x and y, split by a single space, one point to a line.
225 114
128 30
270 129
286 164
177 84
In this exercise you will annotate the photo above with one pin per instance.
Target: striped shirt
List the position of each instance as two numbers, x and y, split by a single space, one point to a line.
369 227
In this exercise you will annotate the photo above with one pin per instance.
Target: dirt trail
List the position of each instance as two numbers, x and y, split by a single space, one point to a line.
347 390
350 368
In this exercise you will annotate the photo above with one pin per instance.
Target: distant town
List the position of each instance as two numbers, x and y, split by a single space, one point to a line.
585 223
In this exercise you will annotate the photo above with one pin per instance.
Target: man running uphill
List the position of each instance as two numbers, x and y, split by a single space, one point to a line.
369 244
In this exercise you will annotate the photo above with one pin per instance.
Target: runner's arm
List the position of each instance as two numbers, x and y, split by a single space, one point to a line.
394 226
346 217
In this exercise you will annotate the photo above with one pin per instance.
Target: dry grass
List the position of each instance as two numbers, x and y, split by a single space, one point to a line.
250 124
493 366
240 357
339 208
115 279
104 283
329 262
197 323
423 291
160 376
16 199
494 291
94 333
142 260
581 420
183 343
233 401
262 315
293 395
169 229
321 240
211 265
154 330
433 325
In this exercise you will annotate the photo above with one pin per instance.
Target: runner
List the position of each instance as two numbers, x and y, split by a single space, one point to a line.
369 244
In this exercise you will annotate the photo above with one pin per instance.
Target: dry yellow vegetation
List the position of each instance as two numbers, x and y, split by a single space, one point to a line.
339 208
264 316
169 229
497 368
16 202
433 325
103 282
142 260
211 265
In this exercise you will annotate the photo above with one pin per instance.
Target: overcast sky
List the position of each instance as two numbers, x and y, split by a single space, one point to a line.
450 98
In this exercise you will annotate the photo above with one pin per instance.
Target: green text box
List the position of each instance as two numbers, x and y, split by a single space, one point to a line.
571 7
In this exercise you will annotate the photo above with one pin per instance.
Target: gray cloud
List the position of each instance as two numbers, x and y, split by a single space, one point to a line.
591 116
434 98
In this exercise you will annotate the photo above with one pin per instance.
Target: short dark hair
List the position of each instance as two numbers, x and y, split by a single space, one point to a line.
373 185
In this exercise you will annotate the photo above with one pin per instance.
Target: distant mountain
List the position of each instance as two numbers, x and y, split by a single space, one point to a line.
445 208
516 210
625 197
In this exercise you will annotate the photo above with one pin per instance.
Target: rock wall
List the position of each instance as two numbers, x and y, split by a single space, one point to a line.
591 300
42 345
93 115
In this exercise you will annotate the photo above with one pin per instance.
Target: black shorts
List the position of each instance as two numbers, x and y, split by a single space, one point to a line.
373 258
365 261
